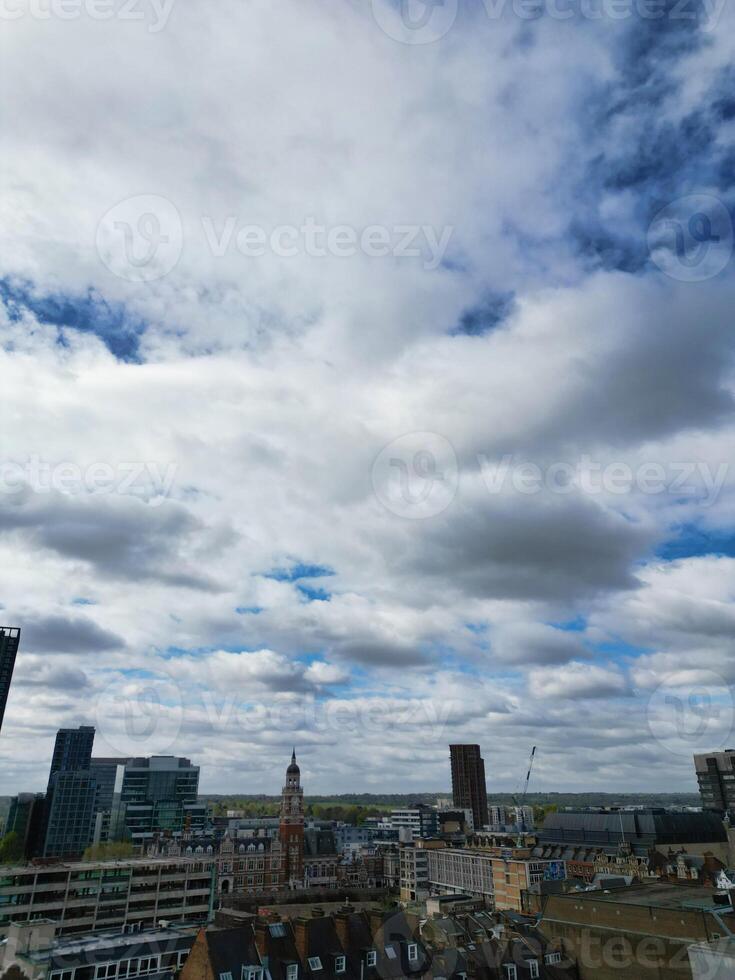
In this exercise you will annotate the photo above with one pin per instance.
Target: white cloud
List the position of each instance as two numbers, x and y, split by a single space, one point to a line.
267 387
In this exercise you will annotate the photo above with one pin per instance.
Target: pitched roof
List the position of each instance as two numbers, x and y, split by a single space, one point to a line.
231 949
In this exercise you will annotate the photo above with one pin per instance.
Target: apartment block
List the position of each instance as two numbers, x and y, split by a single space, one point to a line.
469 789
85 897
460 870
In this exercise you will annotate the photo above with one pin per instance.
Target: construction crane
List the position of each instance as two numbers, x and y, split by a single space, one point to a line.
521 805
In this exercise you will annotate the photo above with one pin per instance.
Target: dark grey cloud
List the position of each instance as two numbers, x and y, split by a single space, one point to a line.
55 678
533 547
378 652
536 643
118 536
67 634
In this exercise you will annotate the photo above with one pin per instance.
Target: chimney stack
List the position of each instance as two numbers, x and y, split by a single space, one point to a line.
301 936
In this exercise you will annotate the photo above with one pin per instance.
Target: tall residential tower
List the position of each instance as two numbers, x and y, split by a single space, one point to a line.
469 789
9 640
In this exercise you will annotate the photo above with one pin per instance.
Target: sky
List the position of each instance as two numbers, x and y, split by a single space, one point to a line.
367 386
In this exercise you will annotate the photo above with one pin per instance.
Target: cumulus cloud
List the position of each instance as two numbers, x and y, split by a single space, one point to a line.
577 680
68 634
256 395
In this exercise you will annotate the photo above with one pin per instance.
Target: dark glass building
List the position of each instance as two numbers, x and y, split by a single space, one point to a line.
469 789
70 814
9 640
25 818
142 798
72 749
71 795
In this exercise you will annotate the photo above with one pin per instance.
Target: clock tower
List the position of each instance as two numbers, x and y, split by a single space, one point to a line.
291 828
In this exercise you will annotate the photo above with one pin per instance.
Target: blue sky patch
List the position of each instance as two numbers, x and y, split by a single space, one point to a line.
88 313
693 542
299 571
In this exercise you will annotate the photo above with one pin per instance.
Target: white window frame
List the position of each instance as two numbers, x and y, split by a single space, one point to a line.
292 971
511 971
340 964
551 958
371 958
227 975
314 963
413 952
533 967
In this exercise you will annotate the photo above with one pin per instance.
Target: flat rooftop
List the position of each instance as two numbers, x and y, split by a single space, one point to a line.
78 946
660 895
133 862
721 947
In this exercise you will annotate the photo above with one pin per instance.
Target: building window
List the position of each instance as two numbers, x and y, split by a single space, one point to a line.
225 976
390 952
511 971
552 958
252 973
533 967
340 964
413 952
292 971
372 958
315 963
